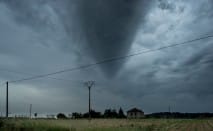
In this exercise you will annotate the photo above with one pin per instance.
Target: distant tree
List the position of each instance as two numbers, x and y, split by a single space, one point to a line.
61 116
114 113
106 113
121 113
76 115
94 114
180 115
109 113
35 114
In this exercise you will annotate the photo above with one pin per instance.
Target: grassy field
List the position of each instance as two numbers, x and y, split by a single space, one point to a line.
108 125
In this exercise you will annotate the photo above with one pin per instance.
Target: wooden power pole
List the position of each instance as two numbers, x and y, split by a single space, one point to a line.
7 99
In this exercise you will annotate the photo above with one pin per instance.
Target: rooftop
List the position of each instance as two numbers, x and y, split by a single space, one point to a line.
134 110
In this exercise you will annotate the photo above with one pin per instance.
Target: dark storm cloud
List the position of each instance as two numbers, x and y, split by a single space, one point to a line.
202 56
98 29
197 82
194 74
108 27
198 79
166 5
29 12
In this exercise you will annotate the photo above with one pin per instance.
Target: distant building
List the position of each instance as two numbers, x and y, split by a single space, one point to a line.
135 113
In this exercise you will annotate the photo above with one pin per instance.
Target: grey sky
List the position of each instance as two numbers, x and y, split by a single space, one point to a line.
43 36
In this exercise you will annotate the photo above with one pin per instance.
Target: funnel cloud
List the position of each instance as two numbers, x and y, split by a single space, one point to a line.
106 28
109 27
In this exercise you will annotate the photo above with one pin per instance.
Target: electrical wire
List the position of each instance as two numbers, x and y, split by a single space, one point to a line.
111 59
24 73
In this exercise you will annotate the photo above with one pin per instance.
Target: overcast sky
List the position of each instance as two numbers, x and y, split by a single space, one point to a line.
44 36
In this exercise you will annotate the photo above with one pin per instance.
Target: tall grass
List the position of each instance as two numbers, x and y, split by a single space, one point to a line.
99 125
27 125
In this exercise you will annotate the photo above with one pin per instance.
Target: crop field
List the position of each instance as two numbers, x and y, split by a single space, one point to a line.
107 125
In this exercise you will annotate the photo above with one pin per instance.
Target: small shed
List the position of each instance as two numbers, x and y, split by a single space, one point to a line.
135 113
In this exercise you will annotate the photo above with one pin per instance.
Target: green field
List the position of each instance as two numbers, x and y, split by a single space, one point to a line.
108 125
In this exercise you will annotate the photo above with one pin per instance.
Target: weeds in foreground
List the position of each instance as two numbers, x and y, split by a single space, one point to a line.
103 125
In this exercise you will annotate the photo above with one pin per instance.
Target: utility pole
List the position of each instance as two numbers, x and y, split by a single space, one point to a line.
89 84
30 110
7 99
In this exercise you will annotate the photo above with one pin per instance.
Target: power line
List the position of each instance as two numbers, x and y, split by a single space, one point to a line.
24 73
111 59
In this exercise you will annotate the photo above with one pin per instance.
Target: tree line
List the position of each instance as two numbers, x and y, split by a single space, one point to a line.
180 115
112 113
108 113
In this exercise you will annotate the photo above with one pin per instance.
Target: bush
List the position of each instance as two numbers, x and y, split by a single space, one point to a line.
61 116
1 124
